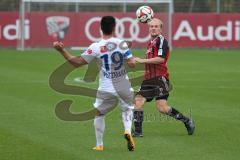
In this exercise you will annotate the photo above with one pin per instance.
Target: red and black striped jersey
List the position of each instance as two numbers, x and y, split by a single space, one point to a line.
157 47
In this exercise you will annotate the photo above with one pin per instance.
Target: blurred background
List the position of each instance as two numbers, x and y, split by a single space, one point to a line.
187 23
217 6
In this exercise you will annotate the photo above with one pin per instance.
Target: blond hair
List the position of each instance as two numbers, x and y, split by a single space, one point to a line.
156 20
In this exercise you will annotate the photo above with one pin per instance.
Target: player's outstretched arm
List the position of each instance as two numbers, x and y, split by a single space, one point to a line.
155 60
77 61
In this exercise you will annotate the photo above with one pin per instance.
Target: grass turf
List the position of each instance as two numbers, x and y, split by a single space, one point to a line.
206 85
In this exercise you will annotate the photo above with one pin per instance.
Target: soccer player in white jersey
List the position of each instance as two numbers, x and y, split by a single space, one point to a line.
110 54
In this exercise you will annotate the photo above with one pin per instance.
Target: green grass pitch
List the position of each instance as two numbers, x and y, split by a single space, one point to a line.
206 85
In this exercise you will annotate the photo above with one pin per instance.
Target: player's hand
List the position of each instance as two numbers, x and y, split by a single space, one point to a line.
59 46
131 62
139 60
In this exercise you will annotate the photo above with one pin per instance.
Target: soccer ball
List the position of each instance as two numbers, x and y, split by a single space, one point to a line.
144 14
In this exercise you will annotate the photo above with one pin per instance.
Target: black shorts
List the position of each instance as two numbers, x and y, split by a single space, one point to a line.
157 88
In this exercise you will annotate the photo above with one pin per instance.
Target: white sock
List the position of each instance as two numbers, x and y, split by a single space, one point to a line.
127 120
99 124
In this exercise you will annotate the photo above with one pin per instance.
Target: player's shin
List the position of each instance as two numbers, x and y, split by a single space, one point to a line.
99 124
127 120
177 115
138 119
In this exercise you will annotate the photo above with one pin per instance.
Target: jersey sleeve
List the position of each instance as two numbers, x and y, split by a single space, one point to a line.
162 47
127 53
89 54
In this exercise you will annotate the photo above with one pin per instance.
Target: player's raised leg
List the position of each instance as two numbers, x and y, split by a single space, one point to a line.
163 107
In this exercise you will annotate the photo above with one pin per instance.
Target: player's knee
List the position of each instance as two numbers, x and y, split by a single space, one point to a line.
139 102
163 108
138 105
98 113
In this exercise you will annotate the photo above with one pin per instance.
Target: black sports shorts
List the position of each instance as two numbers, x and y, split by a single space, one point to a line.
157 88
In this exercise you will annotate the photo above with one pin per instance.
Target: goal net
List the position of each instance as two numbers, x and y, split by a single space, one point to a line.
76 22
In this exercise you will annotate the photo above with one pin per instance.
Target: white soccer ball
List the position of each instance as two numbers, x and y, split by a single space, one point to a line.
144 14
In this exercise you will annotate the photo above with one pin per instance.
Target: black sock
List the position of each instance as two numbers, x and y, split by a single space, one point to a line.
138 119
177 115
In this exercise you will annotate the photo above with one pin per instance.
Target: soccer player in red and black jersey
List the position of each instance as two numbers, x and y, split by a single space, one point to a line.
156 80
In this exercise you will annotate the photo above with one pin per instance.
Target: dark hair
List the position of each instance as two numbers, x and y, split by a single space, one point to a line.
108 24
